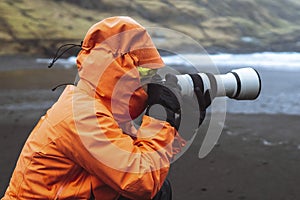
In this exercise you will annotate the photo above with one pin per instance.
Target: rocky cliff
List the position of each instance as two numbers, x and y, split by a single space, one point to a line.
38 27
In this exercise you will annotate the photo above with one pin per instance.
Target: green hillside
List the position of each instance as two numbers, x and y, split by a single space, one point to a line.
39 26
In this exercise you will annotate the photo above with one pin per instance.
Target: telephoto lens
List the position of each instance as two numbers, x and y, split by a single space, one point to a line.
239 84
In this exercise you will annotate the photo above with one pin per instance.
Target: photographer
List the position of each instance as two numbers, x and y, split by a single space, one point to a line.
86 147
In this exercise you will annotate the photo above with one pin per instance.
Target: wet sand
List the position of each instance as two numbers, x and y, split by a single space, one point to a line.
256 157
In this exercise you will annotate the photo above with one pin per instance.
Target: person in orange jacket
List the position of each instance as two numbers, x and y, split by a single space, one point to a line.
86 146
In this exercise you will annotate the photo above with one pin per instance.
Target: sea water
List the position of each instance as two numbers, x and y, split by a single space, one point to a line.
279 72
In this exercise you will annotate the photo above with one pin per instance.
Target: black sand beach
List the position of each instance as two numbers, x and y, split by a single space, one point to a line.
256 157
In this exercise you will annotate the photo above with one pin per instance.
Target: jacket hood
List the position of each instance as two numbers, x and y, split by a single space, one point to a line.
107 65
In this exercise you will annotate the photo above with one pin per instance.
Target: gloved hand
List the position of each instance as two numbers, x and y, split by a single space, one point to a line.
168 96
180 109
205 98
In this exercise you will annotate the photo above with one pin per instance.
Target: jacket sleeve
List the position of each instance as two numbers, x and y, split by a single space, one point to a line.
136 168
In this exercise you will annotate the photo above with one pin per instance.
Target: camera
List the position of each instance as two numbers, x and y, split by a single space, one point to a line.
239 84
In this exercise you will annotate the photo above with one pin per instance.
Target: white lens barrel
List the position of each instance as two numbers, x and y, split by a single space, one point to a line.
248 84
240 84
186 84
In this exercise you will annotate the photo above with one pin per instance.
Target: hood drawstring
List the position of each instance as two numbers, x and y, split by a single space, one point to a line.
62 84
57 56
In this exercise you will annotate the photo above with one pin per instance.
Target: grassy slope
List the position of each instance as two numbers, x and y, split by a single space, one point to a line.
39 26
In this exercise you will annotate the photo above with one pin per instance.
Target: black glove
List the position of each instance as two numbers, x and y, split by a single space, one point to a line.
180 109
167 95
204 98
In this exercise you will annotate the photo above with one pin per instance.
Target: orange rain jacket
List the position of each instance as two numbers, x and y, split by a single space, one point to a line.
85 144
